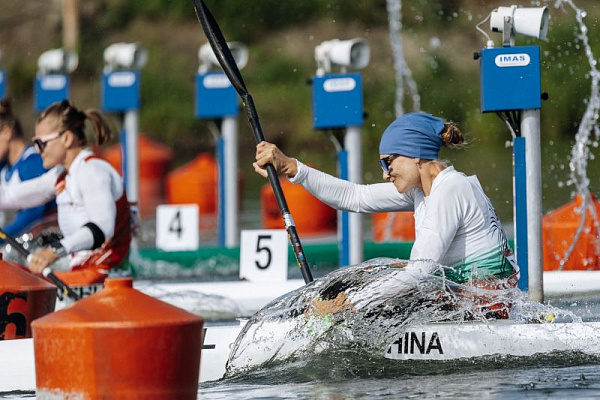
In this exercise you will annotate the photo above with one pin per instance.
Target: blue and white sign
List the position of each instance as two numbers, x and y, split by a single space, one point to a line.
49 89
120 90
2 83
337 101
510 78
215 96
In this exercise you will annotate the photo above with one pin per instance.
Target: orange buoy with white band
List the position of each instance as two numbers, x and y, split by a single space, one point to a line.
23 298
118 343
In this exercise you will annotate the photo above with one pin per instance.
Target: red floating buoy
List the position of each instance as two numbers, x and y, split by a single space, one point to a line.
23 298
118 343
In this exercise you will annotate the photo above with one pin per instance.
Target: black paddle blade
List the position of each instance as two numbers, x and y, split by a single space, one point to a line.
219 45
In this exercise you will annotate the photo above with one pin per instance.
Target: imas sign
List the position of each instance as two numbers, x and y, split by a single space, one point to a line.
512 60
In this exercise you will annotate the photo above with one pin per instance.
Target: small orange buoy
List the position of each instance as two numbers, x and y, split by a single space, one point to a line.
23 298
558 231
312 217
118 343
396 226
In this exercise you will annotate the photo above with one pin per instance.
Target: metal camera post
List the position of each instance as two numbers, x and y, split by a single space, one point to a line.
511 87
217 100
120 87
52 82
338 104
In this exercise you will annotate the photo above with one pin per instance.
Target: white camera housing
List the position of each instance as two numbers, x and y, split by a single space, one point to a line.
207 58
57 61
125 56
353 53
528 21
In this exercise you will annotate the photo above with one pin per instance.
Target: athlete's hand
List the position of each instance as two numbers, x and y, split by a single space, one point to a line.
268 153
41 259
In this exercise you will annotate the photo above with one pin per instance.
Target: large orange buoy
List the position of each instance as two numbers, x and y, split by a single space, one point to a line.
396 226
23 298
154 160
312 217
558 230
120 344
195 183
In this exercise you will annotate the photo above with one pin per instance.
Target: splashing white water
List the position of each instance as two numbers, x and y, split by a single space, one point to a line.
364 306
580 153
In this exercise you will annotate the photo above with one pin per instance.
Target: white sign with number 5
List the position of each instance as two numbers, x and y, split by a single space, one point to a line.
264 255
177 227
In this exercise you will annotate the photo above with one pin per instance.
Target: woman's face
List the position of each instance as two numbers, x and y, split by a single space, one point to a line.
51 140
403 172
5 136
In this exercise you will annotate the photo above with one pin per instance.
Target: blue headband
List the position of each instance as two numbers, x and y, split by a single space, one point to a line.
416 135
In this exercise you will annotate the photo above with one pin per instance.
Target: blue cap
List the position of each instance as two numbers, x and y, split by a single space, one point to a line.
416 135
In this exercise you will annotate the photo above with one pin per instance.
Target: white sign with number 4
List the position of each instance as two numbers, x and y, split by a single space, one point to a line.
264 255
177 227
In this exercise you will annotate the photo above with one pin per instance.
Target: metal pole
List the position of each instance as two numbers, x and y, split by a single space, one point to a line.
132 157
229 130
352 143
530 128
70 25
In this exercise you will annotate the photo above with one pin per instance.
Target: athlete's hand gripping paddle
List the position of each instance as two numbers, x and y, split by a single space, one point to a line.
47 272
219 45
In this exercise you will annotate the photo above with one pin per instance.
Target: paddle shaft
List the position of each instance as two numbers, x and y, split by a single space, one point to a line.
47 271
219 45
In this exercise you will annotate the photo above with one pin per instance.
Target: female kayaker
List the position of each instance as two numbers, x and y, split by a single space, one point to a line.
455 222
93 212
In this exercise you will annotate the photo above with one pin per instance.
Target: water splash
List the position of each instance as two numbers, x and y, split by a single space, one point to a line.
580 153
394 9
362 308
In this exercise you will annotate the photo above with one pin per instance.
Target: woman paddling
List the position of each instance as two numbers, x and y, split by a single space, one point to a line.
93 213
455 222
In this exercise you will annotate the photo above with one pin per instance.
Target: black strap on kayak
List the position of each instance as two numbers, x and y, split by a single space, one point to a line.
66 289
219 45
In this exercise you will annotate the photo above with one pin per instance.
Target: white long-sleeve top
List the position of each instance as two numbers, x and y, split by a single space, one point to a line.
455 225
88 193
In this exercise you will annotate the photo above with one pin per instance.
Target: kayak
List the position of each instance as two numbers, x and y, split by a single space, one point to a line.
427 342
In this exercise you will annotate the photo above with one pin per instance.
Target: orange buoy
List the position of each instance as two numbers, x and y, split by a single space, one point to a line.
396 226
118 343
23 298
558 230
312 217
195 183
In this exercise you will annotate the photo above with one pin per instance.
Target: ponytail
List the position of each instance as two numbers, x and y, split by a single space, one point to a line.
452 137
70 118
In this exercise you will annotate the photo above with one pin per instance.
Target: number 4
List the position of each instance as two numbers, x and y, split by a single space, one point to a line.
175 224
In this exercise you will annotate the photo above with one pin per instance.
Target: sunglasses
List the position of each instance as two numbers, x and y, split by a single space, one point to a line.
41 143
386 162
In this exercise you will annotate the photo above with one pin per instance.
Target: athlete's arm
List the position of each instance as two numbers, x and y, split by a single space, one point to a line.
31 193
349 196
97 189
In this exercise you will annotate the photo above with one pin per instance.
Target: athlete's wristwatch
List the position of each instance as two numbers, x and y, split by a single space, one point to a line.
58 249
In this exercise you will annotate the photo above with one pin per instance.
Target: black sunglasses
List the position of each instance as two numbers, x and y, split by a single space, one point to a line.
40 144
387 161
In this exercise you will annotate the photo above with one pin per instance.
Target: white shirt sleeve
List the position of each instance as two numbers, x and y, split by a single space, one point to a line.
99 199
30 193
349 196
441 220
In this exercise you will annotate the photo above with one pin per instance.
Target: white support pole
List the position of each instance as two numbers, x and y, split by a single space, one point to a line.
132 158
229 130
530 129
352 144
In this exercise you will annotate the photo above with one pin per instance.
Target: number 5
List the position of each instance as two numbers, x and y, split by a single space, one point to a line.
265 248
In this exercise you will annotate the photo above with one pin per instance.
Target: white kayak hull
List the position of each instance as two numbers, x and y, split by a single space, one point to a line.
432 342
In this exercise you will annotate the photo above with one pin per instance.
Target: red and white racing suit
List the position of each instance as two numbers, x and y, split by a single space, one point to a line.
93 214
